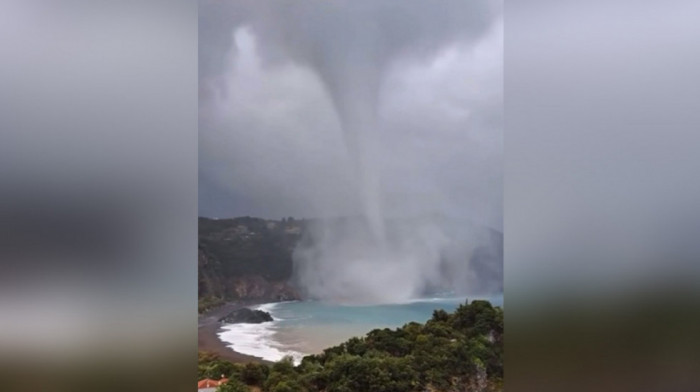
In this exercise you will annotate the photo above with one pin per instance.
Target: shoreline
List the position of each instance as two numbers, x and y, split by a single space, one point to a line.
298 338
209 327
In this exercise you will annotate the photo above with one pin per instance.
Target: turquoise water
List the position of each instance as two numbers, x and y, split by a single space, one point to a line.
307 327
394 315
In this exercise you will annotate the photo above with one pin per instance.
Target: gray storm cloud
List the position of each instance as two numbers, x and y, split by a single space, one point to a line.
350 70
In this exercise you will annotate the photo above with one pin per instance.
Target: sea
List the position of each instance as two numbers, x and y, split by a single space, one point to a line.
302 328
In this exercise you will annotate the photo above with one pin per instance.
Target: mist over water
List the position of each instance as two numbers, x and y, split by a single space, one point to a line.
394 245
340 260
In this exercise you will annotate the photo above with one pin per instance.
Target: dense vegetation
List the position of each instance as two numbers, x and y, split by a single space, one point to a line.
249 258
459 351
250 245
243 248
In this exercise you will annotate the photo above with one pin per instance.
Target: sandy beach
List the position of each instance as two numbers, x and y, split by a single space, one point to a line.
209 326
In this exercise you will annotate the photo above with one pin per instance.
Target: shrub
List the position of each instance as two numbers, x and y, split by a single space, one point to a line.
233 385
450 352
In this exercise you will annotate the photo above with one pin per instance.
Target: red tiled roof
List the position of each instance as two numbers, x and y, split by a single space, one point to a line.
206 383
209 383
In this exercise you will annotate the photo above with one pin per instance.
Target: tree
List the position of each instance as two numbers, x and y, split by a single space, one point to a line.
254 374
218 368
233 385
450 352
286 386
440 315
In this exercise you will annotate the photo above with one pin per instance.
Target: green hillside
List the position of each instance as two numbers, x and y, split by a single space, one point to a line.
459 351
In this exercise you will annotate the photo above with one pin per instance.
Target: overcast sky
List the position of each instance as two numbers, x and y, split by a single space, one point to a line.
274 78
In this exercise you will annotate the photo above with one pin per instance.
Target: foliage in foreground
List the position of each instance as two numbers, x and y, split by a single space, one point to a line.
460 351
208 303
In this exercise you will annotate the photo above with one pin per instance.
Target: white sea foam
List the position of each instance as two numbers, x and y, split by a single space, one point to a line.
266 307
258 340
270 308
309 327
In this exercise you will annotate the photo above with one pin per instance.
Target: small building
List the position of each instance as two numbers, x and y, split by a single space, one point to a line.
209 385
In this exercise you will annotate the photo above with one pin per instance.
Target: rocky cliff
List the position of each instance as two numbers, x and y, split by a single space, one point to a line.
251 258
248 316
246 258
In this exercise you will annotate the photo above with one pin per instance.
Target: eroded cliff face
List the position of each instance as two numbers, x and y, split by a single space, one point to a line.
247 259
257 287
209 271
